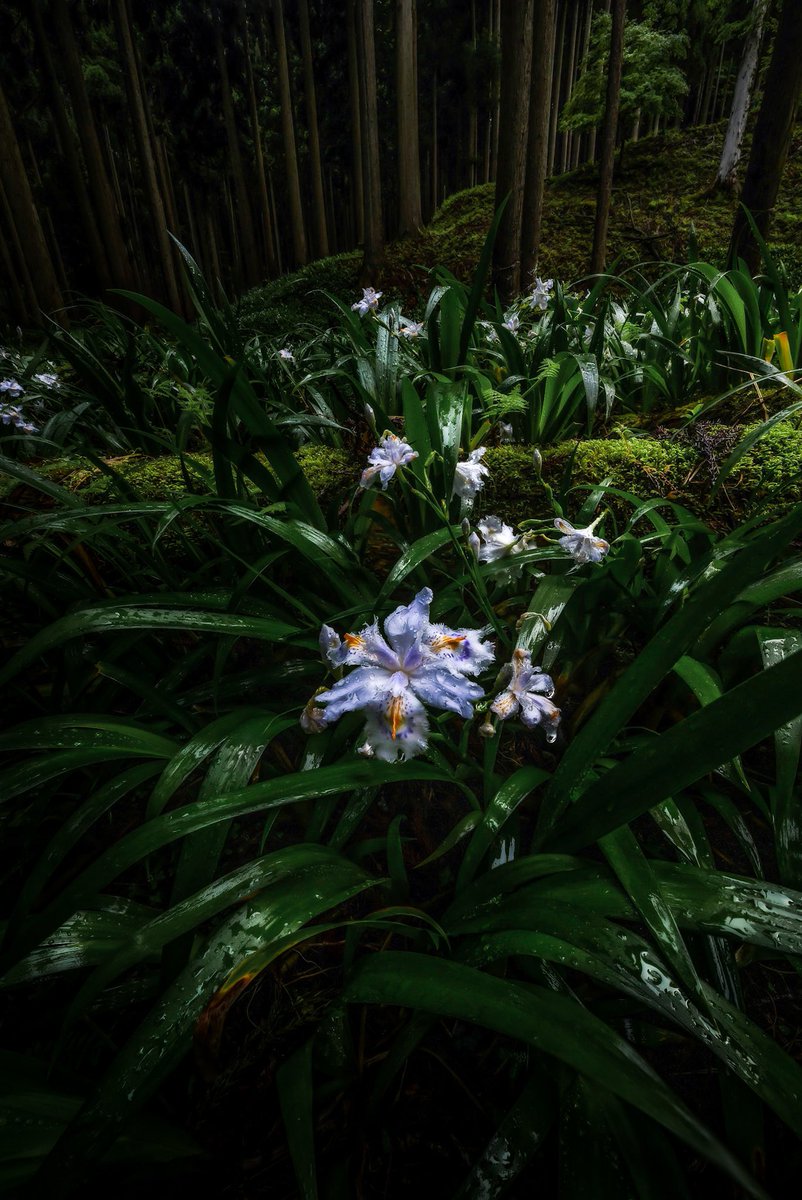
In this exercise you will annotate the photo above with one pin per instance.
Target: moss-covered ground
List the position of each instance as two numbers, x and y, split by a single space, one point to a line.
662 207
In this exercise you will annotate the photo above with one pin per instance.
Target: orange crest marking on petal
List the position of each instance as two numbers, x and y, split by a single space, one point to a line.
353 640
395 714
447 643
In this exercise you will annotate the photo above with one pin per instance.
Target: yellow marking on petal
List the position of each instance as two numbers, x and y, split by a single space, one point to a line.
444 642
395 715
354 641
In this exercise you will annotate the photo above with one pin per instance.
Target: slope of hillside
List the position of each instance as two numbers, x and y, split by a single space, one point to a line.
661 201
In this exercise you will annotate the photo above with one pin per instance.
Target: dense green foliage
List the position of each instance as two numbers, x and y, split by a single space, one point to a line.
564 920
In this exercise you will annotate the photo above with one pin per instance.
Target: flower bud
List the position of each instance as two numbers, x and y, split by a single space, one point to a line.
465 526
370 417
537 462
475 545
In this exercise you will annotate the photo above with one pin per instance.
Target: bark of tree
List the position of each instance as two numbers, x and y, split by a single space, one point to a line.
473 112
357 184
318 197
537 150
20 272
69 148
373 250
565 147
25 216
256 133
772 136
100 189
299 242
406 70
733 139
145 151
609 129
247 235
516 74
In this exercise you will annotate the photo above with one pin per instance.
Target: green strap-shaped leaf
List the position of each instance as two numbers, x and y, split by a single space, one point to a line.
542 1019
664 765
115 618
296 1096
656 660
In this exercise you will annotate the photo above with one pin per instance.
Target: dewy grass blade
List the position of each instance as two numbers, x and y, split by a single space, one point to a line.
544 1021
666 764
114 618
656 660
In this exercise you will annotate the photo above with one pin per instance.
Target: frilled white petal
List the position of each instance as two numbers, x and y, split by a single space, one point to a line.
469 476
580 543
397 729
528 690
384 460
444 689
364 687
463 649
538 710
407 624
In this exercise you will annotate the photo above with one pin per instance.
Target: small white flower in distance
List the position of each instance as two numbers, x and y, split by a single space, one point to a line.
384 460
47 380
542 293
10 389
12 414
490 332
528 691
411 329
469 477
580 543
413 663
286 355
368 303
504 431
512 322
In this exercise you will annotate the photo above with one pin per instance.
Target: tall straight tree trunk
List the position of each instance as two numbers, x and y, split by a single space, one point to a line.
250 259
516 74
578 141
495 9
145 151
21 273
556 78
69 148
318 197
609 130
299 242
21 310
25 216
406 74
733 139
772 136
473 110
256 133
100 189
569 84
434 167
537 149
371 169
354 89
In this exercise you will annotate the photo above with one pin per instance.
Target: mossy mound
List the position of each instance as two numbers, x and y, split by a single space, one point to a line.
673 467
662 210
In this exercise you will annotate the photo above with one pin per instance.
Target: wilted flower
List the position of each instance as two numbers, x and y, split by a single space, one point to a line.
498 539
368 303
411 329
492 335
504 431
542 293
528 690
512 322
286 355
384 460
47 380
469 476
414 663
10 389
580 543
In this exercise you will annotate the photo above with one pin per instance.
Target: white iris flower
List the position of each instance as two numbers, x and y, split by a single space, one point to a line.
368 303
384 460
469 477
414 663
528 691
580 543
